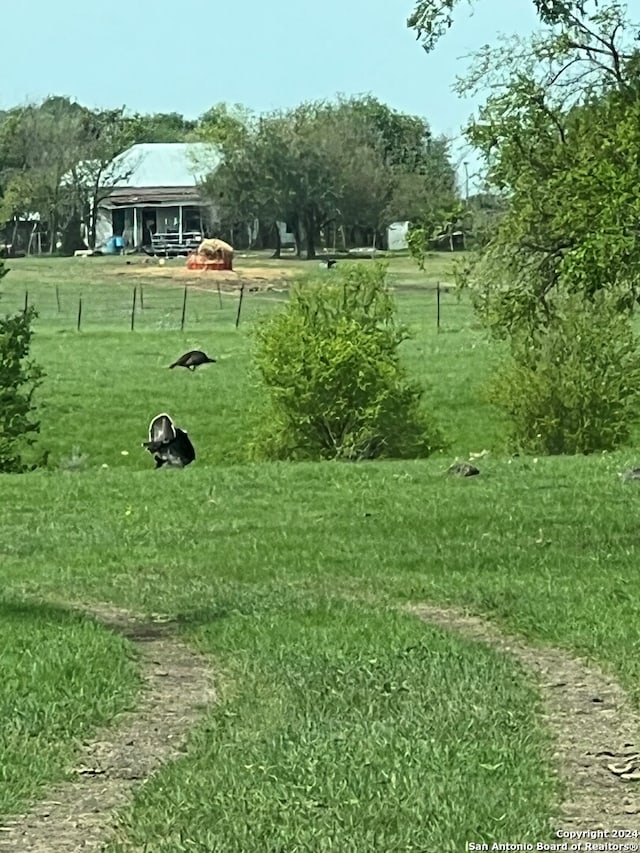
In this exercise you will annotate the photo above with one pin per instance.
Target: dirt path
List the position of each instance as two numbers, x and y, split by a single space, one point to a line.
596 731
77 815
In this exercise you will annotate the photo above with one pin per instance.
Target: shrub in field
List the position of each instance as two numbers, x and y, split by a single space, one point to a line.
331 379
572 386
19 378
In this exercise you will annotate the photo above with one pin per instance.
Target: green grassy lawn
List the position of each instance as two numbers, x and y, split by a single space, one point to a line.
62 676
108 365
342 723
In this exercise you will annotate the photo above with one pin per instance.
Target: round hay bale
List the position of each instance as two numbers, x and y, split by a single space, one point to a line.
214 249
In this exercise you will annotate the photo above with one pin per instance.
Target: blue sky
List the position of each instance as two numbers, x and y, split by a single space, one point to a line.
265 55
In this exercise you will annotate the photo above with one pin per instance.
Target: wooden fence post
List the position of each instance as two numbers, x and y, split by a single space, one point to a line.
184 308
239 305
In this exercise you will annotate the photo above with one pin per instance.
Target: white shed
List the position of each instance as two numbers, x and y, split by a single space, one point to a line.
397 236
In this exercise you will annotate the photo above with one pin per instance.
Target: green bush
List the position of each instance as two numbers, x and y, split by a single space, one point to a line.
572 386
19 379
330 376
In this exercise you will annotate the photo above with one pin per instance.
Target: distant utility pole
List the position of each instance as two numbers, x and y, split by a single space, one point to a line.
466 182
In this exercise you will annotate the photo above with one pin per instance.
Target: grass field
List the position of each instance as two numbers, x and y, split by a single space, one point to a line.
343 723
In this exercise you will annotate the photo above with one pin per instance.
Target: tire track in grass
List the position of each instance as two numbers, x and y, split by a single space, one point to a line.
78 814
594 726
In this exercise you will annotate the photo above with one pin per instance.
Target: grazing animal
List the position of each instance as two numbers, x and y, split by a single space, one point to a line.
192 359
169 445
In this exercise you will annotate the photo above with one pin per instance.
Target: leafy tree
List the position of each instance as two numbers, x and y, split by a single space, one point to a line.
106 135
246 185
60 159
408 170
354 162
309 182
483 213
17 198
560 133
361 177
331 378
223 123
432 18
19 379
160 127
426 193
279 169
43 141
404 140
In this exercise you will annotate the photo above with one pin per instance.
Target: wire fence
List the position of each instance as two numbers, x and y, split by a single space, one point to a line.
136 307
152 307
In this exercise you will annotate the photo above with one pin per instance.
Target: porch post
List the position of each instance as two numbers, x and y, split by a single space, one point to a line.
180 224
135 227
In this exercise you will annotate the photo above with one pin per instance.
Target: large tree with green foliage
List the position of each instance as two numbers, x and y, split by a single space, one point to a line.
243 187
418 162
280 169
223 123
560 132
39 145
105 135
432 18
161 127
60 158
350 163
396 155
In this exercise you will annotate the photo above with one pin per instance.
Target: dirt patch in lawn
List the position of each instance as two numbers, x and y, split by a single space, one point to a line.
172 273
79 814
595 729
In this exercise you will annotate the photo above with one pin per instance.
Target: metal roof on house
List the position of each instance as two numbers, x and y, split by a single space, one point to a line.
164 164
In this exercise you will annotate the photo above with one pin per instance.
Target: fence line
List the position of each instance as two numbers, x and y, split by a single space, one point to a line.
172 308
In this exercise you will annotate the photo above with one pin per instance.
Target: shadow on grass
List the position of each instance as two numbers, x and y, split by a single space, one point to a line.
38 610
132 627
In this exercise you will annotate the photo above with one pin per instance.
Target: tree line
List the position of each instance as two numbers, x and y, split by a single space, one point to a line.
346 168
336 171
